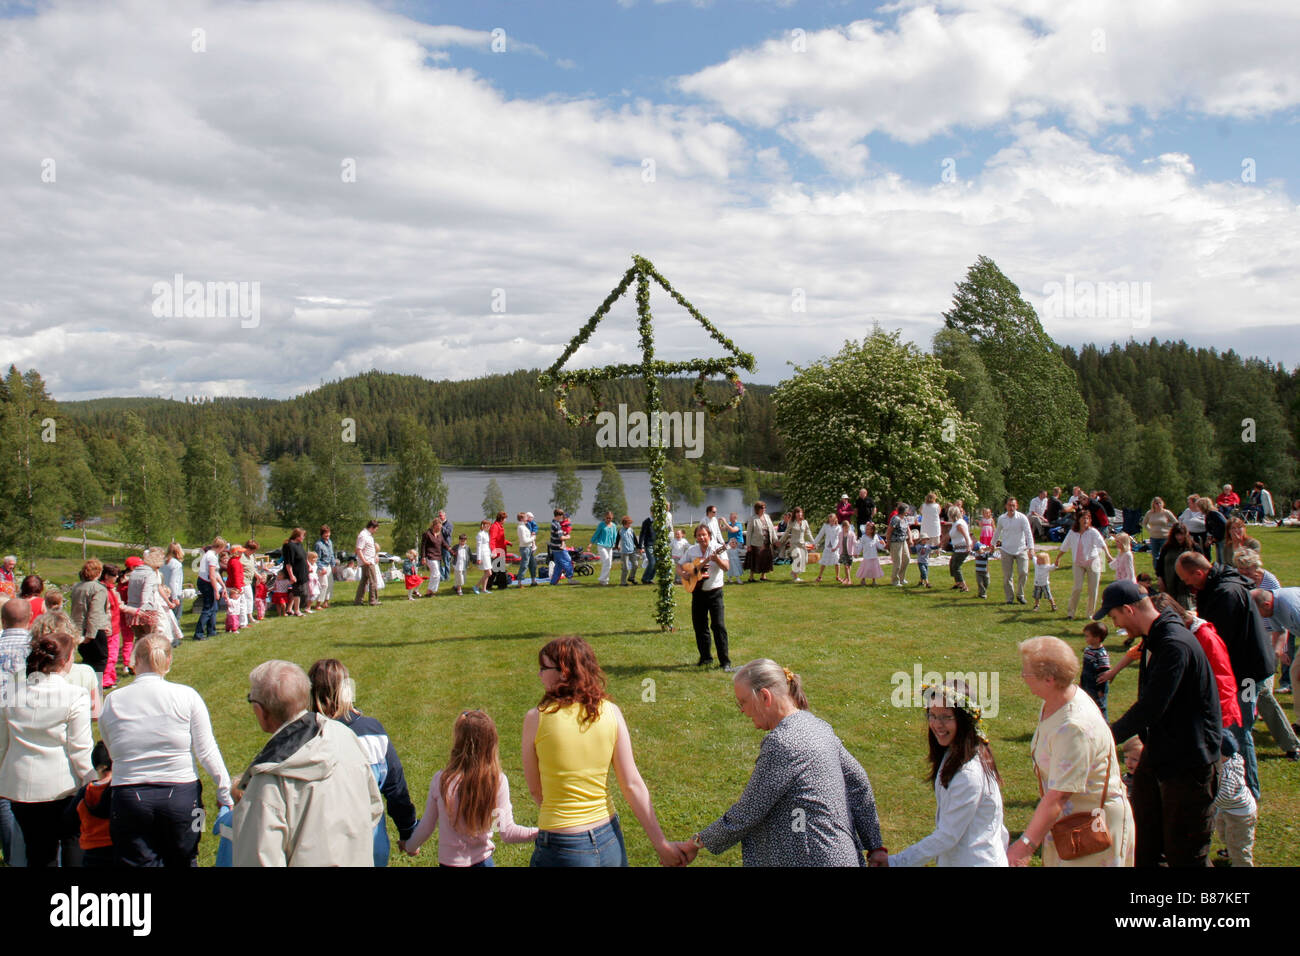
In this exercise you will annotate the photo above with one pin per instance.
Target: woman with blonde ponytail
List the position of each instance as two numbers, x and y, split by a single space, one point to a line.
809 802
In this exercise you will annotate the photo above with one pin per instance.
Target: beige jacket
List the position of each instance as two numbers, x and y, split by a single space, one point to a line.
310 799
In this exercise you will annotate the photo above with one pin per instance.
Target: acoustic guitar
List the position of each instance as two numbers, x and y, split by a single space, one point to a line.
694 571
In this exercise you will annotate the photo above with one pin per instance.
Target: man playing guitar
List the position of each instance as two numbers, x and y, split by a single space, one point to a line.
706 569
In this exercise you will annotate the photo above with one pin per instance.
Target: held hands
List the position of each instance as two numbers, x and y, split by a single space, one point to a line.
1018 854
878 857
672 854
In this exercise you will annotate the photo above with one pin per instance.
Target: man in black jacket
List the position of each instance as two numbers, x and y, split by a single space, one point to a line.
1178 718
1223 599
646 541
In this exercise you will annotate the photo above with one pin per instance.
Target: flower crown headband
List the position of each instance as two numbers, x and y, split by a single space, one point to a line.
934 693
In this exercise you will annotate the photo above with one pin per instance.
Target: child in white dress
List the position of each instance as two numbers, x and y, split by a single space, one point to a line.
1123 560
459 563
848 547
870 547
828 543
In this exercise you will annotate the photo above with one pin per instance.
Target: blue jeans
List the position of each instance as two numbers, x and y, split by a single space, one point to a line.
649 574
561 564
527 562
15 850
1156 545
207 626
602 846
1246 741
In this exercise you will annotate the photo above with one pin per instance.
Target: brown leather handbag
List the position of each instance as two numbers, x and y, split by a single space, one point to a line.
1084 833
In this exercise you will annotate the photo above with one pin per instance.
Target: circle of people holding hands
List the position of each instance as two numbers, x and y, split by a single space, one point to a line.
1206 635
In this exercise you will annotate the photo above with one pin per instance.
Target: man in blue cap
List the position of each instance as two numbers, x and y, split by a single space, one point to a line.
1177 716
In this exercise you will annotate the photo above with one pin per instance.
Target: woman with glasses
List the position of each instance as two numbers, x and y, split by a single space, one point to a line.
570 739
968 824
155 730
808 802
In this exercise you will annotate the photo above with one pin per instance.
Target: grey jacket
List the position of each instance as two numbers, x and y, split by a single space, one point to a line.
808 803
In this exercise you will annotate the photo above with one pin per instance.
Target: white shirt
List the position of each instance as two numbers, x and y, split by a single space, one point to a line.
716 574
968 828
367 553
483 547
1014 531
154 729
1043 575
1084 549
1193 520
1037 506
45 741
680 547
526 537
210 569
716 531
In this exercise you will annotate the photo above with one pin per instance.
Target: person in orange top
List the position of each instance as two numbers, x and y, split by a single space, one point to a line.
94 808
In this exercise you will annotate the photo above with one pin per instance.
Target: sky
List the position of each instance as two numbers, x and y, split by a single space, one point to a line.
452 189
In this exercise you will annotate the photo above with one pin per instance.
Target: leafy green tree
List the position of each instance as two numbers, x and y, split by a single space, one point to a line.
1121 453
566 492
971 389
413 490
610 495
209 488
32 491
878 407
1254 442
250 491
1044 411
288 489
111 470
154 505
337 495
493 500
684 482
749 492
1194 447
1159 475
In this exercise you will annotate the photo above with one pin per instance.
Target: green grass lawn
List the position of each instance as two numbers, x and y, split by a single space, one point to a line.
418 664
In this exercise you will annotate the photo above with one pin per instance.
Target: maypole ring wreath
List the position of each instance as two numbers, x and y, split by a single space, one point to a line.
562 382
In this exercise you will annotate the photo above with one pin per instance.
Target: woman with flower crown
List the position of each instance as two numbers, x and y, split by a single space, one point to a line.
968 829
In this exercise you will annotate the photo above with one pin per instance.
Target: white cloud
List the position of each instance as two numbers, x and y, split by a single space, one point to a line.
935 67
226 165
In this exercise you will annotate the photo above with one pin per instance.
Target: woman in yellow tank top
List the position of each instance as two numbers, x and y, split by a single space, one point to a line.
570 739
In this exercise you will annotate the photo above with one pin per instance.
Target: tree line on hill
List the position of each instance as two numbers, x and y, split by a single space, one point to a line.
996 407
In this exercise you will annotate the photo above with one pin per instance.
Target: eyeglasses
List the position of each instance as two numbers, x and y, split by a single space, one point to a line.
937 719
542 669
257 702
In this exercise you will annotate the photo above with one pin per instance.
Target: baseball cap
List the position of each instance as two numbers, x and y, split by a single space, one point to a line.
1119 594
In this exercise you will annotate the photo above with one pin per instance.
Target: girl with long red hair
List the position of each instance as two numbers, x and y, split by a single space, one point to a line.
469 798
570 739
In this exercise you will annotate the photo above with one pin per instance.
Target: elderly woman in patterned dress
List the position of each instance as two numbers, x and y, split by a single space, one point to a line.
803 776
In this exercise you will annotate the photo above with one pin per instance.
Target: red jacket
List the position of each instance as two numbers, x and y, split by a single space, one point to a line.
1217 653
497 538
235 574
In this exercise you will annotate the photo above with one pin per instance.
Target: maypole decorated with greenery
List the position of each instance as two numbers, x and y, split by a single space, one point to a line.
563 381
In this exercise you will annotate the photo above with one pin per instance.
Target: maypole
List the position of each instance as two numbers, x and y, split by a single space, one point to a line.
563 381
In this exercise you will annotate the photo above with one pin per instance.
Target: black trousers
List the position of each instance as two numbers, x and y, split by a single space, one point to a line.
157 824
706 610
95 652
43 829
1174 814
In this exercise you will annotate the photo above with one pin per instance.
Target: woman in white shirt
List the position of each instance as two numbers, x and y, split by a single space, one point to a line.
45 747
155 730
527 551
968 828
960 543
1086 548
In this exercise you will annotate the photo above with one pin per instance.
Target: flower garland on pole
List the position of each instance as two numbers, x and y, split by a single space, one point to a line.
562 381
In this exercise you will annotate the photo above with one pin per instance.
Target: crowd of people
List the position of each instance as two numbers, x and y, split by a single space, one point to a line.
1207 626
